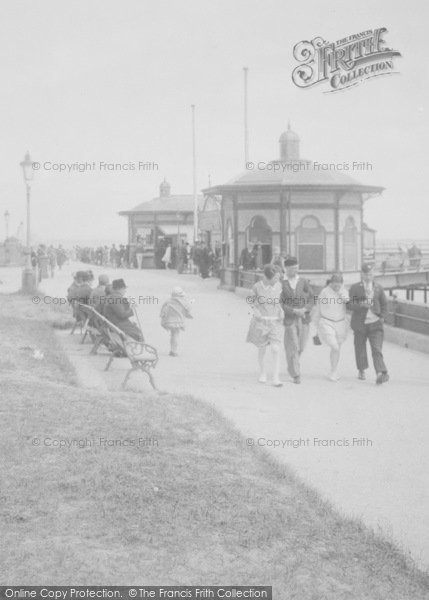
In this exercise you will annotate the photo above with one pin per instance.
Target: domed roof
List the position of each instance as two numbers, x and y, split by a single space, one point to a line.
289 135
300 174
293 172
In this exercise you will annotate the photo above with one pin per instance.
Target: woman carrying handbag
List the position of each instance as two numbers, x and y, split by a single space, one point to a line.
266 328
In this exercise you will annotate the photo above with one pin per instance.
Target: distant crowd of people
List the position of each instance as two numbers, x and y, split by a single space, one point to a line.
403 259
199 258
47 258
105 256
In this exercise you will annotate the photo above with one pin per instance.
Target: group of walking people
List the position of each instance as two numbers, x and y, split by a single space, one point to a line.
284 305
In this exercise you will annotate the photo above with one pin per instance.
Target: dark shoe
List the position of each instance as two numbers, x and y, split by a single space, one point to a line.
380 379
361 375
385 377
297 379
173 354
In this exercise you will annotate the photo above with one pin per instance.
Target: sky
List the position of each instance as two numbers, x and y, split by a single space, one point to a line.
113 82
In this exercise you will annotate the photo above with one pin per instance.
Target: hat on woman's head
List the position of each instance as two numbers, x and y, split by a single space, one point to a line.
118 284
86 276
177 292
291 261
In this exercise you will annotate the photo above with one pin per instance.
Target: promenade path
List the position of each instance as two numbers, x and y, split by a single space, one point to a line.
384 481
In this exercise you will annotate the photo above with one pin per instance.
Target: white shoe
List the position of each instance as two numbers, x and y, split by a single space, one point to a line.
262 378
277 383
333 377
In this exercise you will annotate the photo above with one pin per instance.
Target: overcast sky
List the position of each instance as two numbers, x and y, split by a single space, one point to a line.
113 81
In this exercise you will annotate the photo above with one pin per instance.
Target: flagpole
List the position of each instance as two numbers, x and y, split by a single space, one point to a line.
194 168
246 130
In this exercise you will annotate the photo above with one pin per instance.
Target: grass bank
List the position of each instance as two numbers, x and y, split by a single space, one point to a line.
124 488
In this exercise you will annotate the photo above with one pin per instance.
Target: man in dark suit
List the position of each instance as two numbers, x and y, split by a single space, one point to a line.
117 310
296 299
368 304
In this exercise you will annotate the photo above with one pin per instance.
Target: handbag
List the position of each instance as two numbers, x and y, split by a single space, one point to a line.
257 333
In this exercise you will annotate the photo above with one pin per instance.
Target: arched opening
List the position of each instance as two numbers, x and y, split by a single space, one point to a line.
259 240
350 245
310 242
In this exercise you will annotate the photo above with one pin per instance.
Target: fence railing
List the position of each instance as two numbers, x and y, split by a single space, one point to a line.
404 314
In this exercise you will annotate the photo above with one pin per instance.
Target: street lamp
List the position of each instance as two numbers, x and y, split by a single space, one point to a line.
28 278
6 222
178 227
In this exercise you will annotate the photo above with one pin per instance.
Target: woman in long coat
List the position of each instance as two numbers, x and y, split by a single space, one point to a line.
204 262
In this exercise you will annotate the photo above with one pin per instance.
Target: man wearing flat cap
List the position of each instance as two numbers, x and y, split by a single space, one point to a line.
297 300
118 311
368 304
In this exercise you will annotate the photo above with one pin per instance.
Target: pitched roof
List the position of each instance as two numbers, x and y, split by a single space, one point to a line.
300 173
177 203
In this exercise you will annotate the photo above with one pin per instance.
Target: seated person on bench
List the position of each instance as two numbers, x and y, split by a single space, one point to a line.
79 291
117 310
98 294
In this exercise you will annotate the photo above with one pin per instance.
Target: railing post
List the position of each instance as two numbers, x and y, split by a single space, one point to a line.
395 305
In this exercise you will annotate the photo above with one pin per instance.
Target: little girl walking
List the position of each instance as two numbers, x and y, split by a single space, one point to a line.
173 315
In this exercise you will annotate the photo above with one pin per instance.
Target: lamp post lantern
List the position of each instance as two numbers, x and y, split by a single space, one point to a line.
28 276
194 175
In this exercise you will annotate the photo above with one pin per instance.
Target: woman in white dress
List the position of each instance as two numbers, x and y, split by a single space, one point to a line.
330 318
166 259
266 328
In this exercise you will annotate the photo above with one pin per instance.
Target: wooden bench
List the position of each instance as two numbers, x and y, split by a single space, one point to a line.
93 327
142 356
79 316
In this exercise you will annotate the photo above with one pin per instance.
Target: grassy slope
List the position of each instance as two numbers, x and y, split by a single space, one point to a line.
199 508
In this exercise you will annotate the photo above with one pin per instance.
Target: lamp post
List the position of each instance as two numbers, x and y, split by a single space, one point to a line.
6 223
194 175
178 227
28 277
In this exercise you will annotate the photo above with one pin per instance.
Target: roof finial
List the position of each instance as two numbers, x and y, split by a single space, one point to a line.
164 189
288 125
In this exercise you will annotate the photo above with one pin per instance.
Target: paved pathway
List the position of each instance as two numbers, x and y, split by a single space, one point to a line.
386 483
